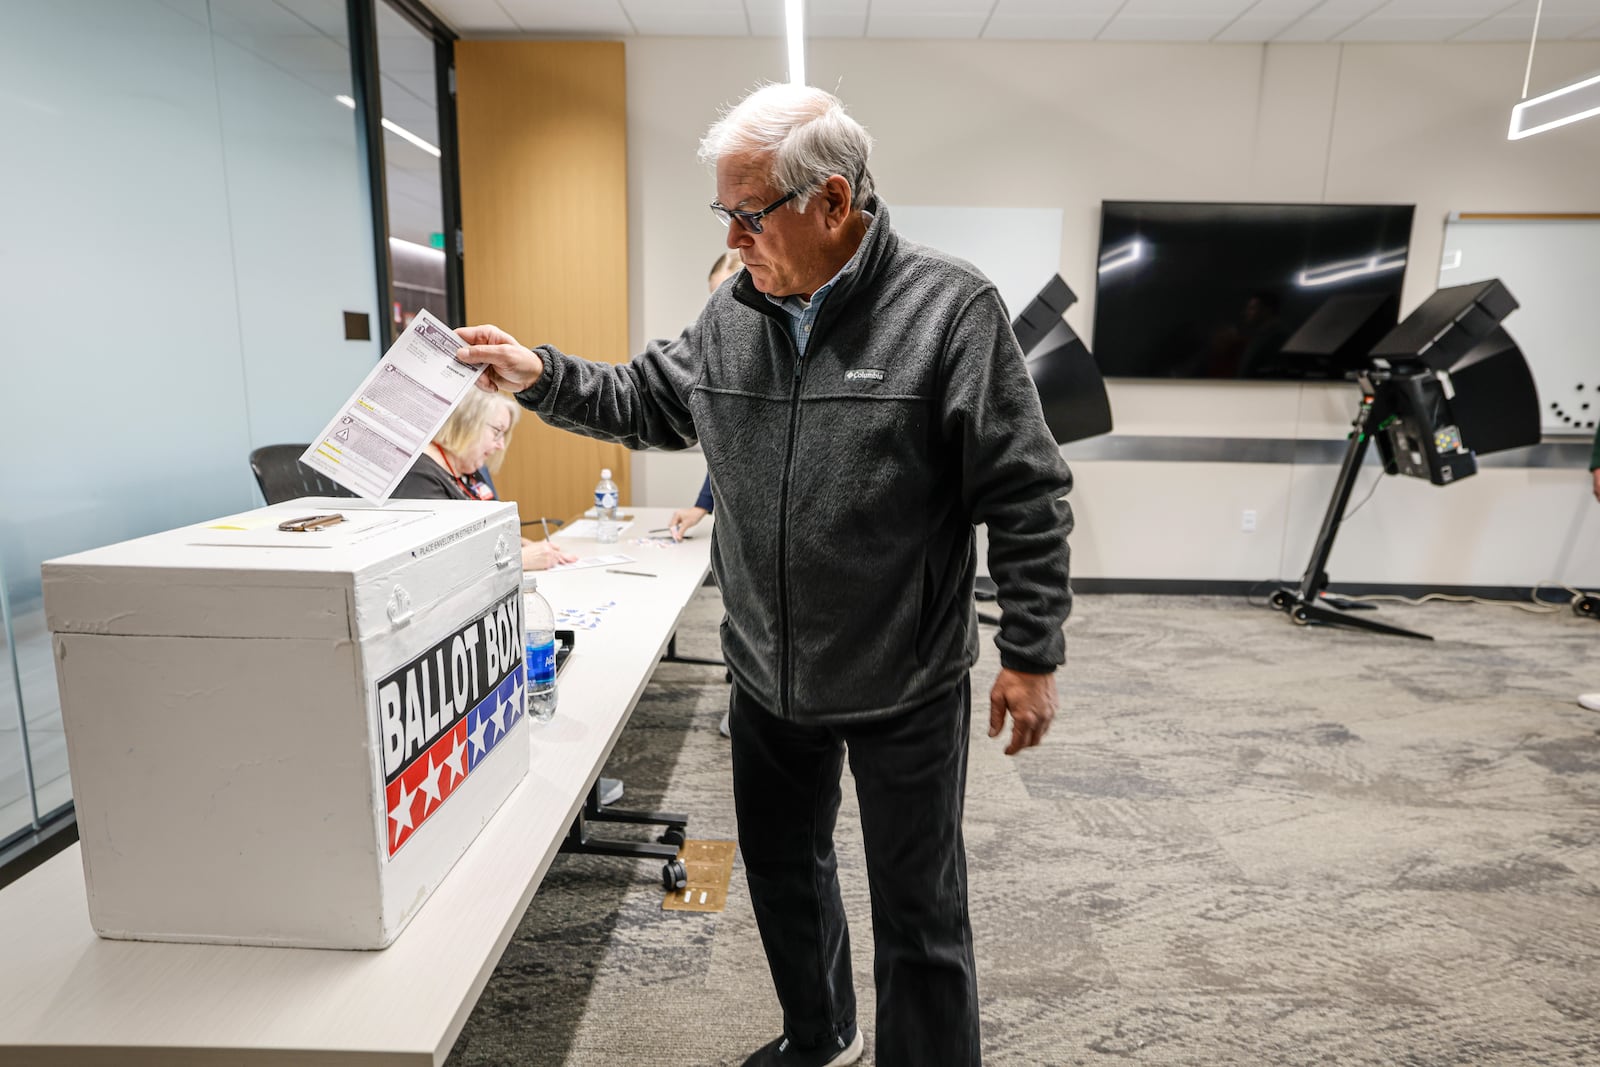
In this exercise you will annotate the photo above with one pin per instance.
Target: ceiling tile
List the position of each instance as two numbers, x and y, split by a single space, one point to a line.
1346 9
1319 27
1195 10
468 17
1127 27
923 8
599 18
1254 28
1406 29
1520 28
1281 8
1480 9
816 26
703 19
1104 9
923 26
824 18
1044 27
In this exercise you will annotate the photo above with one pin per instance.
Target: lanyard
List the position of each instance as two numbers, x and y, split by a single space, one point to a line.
471 489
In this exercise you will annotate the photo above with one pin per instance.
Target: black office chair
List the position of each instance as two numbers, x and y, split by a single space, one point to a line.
282 476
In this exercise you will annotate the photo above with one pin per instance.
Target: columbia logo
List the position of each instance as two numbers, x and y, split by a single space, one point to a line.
863 375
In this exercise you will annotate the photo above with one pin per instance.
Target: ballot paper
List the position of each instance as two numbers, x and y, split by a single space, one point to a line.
382 429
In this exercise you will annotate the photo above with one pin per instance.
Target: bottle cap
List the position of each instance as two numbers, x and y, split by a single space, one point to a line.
605 474
530 583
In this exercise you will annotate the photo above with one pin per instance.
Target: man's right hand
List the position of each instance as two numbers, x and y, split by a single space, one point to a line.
510 366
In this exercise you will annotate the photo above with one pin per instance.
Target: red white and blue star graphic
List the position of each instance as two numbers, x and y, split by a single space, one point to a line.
419 790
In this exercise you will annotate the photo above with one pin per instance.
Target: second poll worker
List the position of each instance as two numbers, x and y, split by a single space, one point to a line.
685 519
862 404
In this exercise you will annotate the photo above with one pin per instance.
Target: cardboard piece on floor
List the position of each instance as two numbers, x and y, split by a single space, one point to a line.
710 867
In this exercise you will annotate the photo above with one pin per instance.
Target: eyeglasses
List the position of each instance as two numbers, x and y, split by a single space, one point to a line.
500 434
750 220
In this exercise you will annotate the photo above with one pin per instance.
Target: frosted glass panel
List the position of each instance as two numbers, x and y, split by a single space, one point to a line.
188 227
16 812
301 226
415 207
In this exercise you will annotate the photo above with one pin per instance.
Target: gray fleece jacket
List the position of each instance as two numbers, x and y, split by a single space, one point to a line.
848 482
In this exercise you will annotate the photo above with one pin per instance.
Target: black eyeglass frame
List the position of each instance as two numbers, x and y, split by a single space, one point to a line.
750 220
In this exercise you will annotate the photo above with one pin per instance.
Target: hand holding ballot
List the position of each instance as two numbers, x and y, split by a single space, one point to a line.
508 365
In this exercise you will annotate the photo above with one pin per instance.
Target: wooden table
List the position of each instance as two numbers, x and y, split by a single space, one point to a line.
69 997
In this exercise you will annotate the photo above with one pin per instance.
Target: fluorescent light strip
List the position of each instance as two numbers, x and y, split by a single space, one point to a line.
794 18
1122 255
395 128
1345 269
1588 102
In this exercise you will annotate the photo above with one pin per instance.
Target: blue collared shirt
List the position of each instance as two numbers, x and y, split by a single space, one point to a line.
803 312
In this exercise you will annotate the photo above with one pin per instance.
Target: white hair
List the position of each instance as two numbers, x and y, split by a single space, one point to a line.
806 133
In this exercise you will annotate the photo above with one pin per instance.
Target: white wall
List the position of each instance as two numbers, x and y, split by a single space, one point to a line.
1065 125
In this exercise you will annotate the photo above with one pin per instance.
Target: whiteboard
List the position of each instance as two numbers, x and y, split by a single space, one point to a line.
1552 268
1019 248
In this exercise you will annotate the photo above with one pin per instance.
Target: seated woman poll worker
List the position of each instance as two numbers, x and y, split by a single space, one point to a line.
726 266
459 459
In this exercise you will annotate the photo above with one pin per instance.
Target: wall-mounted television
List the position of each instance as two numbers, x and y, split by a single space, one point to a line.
1246 291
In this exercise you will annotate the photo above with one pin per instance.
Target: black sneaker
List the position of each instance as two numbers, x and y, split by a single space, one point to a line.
835 1052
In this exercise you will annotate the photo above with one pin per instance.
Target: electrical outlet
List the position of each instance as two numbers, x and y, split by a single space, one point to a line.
1247 520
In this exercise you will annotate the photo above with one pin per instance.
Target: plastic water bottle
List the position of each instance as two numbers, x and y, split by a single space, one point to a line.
606 527
539 641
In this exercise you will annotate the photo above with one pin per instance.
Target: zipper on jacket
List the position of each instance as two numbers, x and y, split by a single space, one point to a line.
785 636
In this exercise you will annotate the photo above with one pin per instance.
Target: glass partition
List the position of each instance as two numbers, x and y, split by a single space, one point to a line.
17 814
408 87
193 228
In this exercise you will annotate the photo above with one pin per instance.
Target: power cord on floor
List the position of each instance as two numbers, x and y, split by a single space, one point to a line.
1535 606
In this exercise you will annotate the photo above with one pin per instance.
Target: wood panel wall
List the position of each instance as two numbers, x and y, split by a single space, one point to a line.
544 210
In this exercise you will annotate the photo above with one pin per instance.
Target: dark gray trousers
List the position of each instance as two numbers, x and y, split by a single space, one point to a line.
910 772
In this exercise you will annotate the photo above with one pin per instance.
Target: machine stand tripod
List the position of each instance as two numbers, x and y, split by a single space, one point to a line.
1308 605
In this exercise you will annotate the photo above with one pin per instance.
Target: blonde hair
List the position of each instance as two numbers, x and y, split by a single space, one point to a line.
471 417
730 262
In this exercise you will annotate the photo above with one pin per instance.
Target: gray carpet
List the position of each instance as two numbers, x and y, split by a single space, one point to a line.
1244 842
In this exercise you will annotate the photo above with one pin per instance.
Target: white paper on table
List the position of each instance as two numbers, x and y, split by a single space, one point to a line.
587 530
594 561
389 420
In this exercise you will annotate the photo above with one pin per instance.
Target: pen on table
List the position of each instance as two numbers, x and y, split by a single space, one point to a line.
636 574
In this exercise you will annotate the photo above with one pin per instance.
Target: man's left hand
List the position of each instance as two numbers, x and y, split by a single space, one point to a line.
1031 700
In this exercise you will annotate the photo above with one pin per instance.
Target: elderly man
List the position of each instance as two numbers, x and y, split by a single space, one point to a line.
862 403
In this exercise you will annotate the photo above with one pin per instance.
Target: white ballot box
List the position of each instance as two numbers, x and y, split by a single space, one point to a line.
283 737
